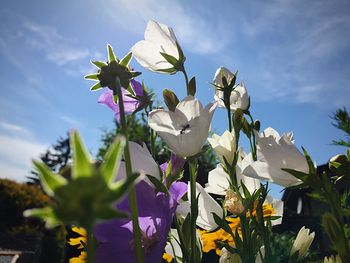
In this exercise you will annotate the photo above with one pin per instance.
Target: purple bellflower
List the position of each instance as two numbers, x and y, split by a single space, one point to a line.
130 104
177 164
156 211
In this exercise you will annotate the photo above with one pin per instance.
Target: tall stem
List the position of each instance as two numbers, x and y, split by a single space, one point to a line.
194 208
90 244
229 120
132 193
186 80
254 139
152 137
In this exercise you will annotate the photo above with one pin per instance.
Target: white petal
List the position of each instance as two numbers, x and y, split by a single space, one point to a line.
218 181
206 206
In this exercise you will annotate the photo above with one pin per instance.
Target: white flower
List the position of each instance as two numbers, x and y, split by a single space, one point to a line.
275 152
222 72
141 162
302 242
186 129
206 207
158 38
219 180
224 146
332 259
278 209
227 257
239 97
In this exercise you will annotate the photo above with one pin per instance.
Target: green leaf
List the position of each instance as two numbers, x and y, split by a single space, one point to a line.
46 213
98 64
170 99
112 159
222 223
49 181
111 55
192 86
172 60
168 70
97 86
245 191
82 166
160 187
92 76
126 60
131 90
121 187
312 169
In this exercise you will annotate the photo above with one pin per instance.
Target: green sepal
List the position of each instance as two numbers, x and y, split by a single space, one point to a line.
170 99
92 76
49 181
112 159
192 86
111 54
126 60
98 64
172 60
47 214
82 166
160 187
97 86
168 70
312 169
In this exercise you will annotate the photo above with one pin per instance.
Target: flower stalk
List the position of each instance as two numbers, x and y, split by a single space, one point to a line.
194 208
128 168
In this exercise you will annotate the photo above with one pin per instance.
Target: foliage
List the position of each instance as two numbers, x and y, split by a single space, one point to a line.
15 198
56 157
342 122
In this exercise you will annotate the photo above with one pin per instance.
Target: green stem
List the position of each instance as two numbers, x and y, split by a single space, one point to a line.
229 120
90 244
254 139
193 176
152 137
132 193
186 80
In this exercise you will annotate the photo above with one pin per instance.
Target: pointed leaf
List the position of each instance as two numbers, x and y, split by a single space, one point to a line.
97 86
172 60
112 158
49 181
111 55
222 223
46 213
312 169
82 166
192 86
98 64
160 187
126 60
92 76
167 70
120 188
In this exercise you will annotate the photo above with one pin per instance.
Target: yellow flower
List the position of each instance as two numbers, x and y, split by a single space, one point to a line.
80 259
210 239
78 240
167 257
80 243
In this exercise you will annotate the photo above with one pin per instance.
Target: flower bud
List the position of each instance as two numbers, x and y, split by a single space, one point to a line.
233 203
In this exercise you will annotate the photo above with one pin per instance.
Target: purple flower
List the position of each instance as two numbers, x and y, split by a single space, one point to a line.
177 164
130 104
156 211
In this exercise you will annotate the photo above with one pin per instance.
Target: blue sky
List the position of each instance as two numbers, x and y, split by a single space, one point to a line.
292 55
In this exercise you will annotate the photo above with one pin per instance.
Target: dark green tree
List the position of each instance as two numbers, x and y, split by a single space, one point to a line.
56 157
342 122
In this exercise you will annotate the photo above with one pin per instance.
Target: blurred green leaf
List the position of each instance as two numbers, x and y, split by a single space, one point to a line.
82 166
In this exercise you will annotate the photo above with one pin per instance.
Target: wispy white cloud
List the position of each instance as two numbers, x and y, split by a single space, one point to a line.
192 27
295 50
17 150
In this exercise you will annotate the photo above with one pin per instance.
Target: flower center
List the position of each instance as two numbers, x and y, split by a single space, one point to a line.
184 128
148 240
